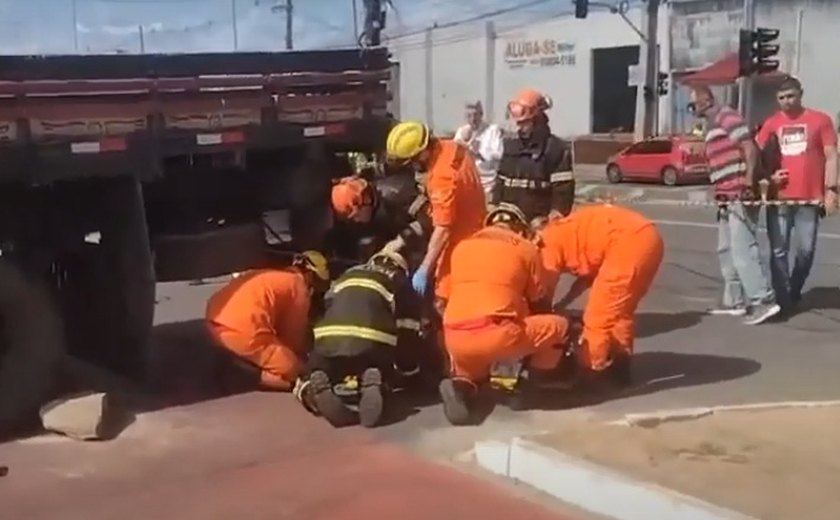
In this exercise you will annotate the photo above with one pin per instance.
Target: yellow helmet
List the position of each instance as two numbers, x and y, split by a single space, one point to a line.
392 257
314 262
407 140
507 213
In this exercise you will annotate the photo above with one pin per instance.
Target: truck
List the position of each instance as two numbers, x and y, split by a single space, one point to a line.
121 171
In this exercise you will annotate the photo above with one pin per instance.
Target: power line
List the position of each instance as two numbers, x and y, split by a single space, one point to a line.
471 19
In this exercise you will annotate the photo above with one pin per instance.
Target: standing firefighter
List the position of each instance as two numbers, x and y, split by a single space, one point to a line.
455 195
535 172
371 331
262 317
616 253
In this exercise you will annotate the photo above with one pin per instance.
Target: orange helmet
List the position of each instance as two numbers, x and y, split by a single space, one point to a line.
349 195
527 104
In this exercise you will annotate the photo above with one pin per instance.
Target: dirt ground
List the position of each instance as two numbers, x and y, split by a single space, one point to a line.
772 465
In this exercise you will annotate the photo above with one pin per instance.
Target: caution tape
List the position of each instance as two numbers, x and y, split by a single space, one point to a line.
696 203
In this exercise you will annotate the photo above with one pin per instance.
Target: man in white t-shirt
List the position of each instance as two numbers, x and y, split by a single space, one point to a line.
484 141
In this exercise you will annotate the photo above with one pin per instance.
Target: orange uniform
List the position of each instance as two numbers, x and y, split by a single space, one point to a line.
495 274
456 199
621 251
262 316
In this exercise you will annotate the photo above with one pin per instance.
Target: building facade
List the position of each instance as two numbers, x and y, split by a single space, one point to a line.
442 69
703 31
583 64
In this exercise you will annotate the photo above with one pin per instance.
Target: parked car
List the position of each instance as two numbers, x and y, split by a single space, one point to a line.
671 160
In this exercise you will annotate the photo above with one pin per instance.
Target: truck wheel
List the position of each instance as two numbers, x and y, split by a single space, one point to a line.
31 346
110 295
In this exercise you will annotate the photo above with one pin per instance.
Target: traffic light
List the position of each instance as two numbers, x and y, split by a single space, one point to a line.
581 8
662 83
757 51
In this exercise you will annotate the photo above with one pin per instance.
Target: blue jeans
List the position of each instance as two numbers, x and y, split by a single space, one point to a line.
744 279
781 221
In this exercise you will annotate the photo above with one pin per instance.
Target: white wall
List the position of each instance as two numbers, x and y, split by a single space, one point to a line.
467 63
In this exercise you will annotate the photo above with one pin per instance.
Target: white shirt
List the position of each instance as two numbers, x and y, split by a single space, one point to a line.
486 145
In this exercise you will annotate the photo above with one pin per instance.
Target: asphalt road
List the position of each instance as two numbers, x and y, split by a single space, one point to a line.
196 439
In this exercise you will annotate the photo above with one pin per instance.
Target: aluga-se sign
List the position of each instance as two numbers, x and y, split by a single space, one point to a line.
539 53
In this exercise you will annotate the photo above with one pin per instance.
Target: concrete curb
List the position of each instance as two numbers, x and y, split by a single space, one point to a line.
653 419
592 487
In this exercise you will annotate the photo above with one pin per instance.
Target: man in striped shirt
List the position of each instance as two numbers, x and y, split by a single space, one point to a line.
732 156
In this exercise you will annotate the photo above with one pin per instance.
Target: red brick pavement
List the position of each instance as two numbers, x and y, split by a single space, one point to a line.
248 457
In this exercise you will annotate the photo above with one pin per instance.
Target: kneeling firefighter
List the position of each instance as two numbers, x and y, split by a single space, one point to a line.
262 317
535 172
497 279
370 330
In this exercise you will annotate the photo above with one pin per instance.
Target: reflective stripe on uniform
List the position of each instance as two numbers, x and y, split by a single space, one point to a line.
416 227
527 184
353 331
409 324
366 284
561 176
417 204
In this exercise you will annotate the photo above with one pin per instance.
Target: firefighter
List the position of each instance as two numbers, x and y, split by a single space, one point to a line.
497 279
262 317
457 203
616 252
535 172
370 330
353 199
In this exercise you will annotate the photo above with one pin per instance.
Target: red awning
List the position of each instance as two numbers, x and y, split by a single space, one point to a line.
722 72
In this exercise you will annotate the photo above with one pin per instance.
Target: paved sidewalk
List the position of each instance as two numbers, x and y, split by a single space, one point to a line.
246 457
773 464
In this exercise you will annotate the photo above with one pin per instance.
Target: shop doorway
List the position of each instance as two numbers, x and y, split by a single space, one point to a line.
613 102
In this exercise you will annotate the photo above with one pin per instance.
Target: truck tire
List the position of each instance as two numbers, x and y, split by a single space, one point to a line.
109 297
31 347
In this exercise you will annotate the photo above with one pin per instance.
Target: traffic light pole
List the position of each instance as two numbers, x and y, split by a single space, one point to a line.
745 87
651 99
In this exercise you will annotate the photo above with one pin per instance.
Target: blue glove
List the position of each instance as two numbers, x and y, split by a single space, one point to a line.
419 281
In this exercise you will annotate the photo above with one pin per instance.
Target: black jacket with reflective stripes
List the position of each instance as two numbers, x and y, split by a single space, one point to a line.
367 309
536 175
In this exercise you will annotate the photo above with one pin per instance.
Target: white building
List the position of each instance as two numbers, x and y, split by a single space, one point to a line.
443 68
583 64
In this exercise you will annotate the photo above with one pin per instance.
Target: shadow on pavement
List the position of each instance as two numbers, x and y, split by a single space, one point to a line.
652 323
186 367
655 372
820 298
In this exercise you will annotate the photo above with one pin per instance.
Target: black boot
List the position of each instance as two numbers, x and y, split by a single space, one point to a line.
458 395
303 393
372 400
620 371
329 405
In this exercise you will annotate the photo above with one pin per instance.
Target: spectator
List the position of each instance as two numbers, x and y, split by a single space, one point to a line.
485 142
732 156
808 175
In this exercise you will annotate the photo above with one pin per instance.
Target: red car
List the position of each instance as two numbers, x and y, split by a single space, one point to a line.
671 160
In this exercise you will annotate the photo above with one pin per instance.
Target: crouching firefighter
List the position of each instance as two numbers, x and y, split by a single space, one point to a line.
535 171
370 331
497 279
261 317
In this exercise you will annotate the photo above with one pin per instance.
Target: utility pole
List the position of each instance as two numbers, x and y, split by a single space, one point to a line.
142 39
235 28
75 27
745 88
289 25
651 99
355 22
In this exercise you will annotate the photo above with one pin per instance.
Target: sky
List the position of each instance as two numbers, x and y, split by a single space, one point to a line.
108 26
